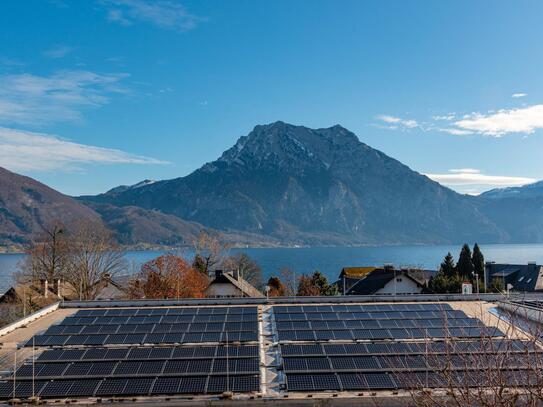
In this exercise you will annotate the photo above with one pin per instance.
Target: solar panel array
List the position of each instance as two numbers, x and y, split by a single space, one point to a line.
376 322
98 365
153 326
129 352
139 371
390 346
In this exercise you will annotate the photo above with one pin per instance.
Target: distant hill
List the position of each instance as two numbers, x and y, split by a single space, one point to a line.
527 191
314 186
26 205
136 226
518 211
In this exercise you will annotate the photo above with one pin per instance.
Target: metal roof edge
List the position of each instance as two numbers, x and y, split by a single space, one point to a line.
289 300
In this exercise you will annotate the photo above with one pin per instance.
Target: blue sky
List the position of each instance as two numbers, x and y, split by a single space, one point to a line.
94 94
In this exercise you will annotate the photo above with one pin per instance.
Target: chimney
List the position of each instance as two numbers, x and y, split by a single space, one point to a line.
58 288
388 267
235 273
45 288
218 273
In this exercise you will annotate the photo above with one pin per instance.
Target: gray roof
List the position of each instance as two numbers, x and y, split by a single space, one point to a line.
523 277
379 277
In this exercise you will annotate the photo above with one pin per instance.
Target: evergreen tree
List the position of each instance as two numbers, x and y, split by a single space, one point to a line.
447 280
447 266
478 261
464 266
320 281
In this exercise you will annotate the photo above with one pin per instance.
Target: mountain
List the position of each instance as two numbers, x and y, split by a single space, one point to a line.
527 191
314 186
134 226
518 210
123 188
26 205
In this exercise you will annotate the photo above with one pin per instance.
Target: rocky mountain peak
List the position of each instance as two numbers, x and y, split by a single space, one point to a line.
280 142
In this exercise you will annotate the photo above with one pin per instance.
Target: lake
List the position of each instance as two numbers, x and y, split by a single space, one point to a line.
330 260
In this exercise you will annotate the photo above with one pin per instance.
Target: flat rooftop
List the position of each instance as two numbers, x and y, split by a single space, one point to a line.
256 351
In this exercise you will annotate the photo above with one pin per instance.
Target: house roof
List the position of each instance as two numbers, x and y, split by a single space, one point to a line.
523 277
240 283
378 278
26 292
355 272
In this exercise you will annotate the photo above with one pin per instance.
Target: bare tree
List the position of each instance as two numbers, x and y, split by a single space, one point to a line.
481 371
208 252
46 256
246 268
288 278
94 257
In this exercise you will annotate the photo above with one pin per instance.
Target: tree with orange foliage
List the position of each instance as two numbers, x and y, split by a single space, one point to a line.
277 288
307 287
168 276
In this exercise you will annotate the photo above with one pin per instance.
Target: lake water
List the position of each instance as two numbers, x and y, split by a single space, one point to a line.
329 260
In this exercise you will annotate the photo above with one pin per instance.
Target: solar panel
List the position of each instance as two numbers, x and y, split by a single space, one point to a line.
78 369
51 369
315 382
111 387
81 388
56 389
101 369
138 386
166 385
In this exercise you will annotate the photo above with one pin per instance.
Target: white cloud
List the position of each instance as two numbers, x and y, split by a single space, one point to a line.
465 171
456 132
523 120
61 97
448 117
59 51
396 122
496 123
470 180
162 13
23 151
519 95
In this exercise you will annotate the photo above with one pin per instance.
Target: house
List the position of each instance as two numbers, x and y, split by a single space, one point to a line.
26 293
522 277
349 276
389 280
230 284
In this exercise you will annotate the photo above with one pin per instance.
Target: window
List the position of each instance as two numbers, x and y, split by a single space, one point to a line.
520 279
527 281
399 280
